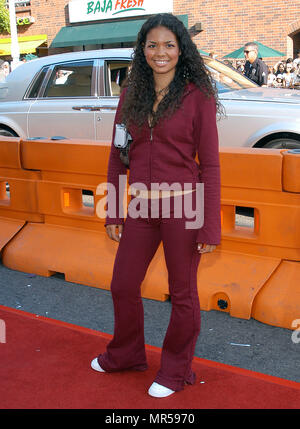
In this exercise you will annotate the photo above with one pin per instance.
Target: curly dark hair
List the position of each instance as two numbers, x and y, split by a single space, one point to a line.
140 97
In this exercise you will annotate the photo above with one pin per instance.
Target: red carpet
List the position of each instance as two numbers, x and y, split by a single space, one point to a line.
45 364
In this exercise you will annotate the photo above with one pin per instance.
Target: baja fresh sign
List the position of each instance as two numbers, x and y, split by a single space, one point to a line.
91 10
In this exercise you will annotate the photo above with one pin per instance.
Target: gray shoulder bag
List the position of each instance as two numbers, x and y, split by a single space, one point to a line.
122 141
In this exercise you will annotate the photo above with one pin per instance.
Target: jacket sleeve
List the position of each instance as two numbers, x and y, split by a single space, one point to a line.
207 142
116 177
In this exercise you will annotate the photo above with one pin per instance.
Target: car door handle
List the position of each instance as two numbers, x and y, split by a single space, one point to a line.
89 108
108 107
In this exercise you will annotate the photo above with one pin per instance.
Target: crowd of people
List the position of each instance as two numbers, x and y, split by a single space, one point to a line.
283 74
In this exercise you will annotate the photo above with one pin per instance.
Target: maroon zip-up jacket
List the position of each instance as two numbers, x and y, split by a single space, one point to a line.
166 154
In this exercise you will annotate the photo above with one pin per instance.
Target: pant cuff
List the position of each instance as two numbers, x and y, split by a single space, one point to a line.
175 385
105 366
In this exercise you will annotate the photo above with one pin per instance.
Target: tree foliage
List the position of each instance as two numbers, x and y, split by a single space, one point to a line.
4 18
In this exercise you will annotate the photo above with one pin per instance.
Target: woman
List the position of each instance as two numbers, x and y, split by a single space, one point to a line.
280 68
169 108
271 76
288 75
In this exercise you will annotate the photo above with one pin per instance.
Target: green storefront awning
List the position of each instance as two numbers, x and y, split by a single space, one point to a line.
101 33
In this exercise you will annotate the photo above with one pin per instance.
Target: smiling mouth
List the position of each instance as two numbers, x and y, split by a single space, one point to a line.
161 62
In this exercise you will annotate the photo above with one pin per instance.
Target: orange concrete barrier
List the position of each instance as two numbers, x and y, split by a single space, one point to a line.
72 239
291 170
240 277
278 303
236 277
18 200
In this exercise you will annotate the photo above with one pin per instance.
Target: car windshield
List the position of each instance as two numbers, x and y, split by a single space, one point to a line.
227 79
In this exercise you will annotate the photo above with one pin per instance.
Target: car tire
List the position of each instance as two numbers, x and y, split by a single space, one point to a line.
7 133
283 143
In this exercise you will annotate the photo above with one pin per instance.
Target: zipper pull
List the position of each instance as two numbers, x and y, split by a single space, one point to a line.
151 130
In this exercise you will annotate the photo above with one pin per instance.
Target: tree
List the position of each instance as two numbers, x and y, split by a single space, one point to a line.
4 18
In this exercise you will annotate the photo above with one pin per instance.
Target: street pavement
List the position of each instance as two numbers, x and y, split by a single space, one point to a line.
247 344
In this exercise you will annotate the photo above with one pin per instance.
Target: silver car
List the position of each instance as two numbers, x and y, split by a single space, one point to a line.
75 95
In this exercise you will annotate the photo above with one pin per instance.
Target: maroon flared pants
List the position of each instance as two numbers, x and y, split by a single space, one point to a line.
140 240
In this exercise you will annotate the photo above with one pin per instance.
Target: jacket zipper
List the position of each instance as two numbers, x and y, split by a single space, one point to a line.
150 168
151 140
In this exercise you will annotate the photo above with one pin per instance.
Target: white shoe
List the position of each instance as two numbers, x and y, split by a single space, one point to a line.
159 391
95 365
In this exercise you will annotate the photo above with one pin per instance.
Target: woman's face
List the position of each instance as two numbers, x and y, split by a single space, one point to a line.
281 67
162 51
289 67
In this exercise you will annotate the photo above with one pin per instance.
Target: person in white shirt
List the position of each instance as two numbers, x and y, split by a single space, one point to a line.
271 76
288 75
61 77
296 61
278 82
4 70
296 77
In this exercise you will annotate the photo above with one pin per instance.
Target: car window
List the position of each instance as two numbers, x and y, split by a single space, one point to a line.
70 80
37 83
227 79
116 75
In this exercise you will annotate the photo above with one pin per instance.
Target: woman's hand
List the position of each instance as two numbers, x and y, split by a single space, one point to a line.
114 232
205 248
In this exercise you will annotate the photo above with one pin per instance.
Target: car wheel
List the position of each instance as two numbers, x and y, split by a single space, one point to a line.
7 133
283 143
